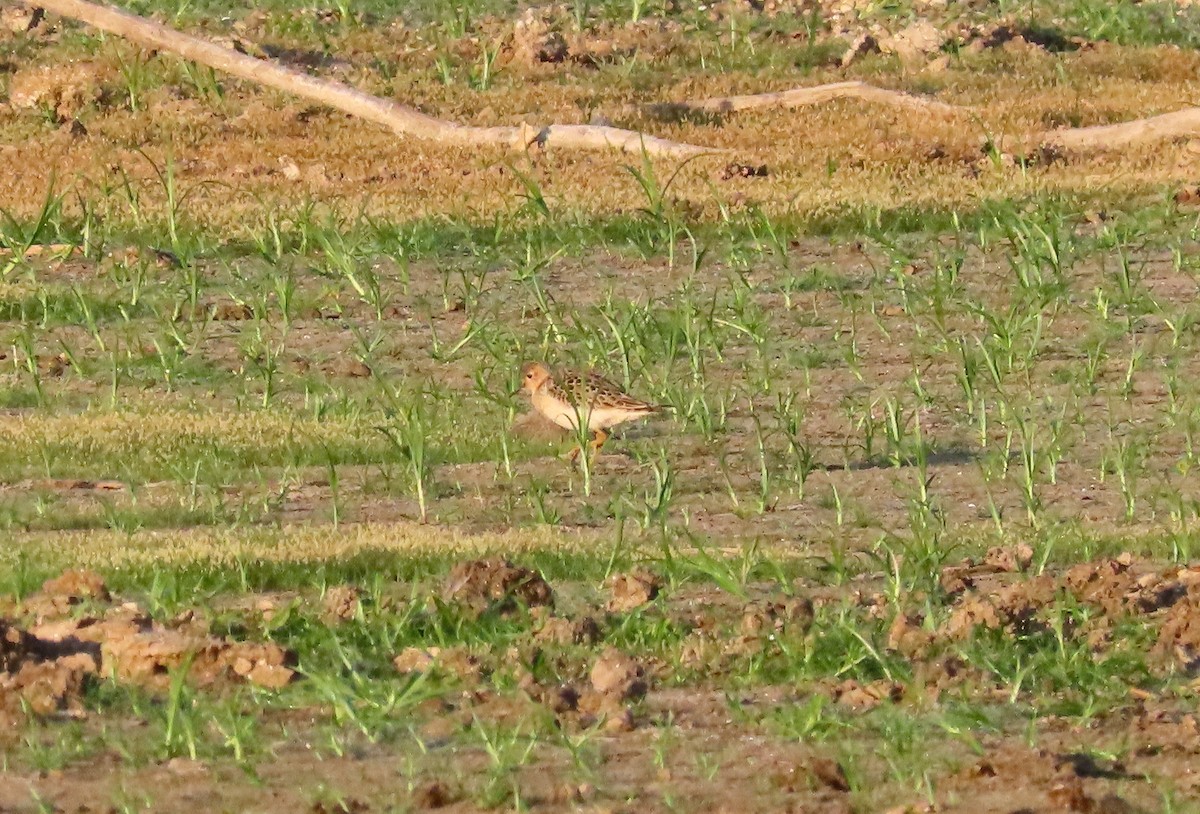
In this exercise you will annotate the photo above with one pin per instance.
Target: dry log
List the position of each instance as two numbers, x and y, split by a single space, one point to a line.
800 97
1181 123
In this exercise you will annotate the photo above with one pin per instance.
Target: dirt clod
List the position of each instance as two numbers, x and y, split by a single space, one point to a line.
562 631
63 90
349 805
229 311
342 603
617 675
455 661
908 636
743 171
862 45
432 795
830 773
1179 637
1009 558
482 585
629 591
355 369
39 676
620 721
149 658
21 19
1070 796
914 42
768 617
851 693
75 586
534 41
561 699
1188 195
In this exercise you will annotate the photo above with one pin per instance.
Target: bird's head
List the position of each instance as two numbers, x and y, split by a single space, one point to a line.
533 376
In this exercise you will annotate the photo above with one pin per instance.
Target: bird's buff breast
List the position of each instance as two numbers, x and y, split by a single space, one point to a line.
564 415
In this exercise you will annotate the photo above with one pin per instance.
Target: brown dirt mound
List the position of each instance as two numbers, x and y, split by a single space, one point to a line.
342 603
1115 589
633 590
482 585
40 675
44 668
562 631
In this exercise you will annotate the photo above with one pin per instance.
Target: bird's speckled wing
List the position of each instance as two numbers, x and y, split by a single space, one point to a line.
594 390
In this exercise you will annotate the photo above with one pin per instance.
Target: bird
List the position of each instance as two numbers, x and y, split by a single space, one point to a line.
574 398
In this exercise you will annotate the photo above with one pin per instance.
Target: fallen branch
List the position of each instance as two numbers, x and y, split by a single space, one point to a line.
1107 136
402 119
1178 124
800 97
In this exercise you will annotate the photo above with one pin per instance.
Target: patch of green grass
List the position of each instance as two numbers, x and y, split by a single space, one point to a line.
1128 23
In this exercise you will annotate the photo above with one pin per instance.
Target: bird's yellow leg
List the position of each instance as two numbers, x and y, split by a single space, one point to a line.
598 440
594 445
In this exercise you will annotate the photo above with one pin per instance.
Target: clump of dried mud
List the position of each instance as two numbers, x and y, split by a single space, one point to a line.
995 594
496 586
74 630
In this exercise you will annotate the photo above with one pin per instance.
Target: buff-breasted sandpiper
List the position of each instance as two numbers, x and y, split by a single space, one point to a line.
588 399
